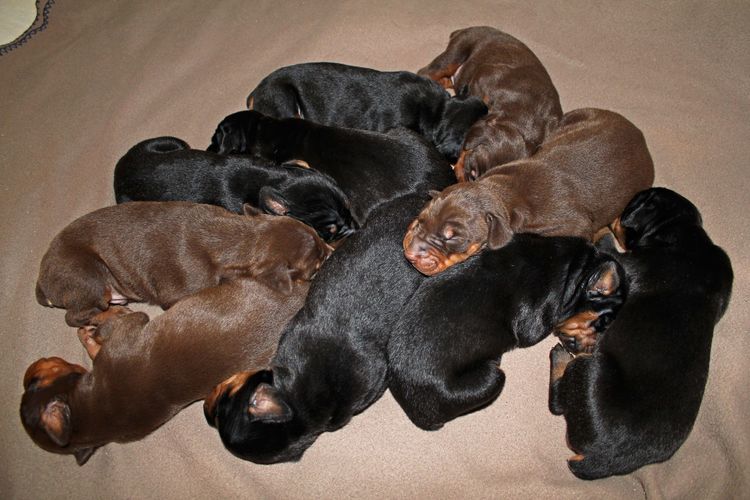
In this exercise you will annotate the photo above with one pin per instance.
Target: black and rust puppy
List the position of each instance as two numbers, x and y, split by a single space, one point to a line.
634 399
166 169
367 99
331 362
444 354
369 167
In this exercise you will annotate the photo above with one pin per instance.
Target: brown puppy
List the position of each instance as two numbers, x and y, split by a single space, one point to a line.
578 182
523 103
160 252
147 371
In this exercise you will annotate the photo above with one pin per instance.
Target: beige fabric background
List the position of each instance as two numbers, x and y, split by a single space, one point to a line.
106 75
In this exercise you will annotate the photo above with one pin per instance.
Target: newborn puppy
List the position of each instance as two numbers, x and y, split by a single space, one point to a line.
370 167
166 169
146 371
444 353
634 400
578 182
367 99
523 103
160 252
331 362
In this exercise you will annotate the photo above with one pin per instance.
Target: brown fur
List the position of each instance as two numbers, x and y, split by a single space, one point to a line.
160 252
523 103
578 182
147 371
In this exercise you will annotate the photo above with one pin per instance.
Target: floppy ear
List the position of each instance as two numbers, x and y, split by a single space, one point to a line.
498 231
83 455
249 210
272 202
278 276
56 421
605 281
266 405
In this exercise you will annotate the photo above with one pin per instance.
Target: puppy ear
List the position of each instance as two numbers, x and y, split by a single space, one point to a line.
56 421
605 281
83 455
272 202
267 405
249 210
278 277
499 232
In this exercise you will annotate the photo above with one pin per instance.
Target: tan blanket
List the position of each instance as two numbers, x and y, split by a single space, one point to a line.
105 75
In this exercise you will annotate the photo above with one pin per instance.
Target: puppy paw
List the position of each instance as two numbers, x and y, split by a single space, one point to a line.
90 340
111 313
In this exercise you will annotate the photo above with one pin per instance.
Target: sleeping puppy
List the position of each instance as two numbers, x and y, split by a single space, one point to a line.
367 99
633 401
577 183
331 361
145 372
444 353
523 103
166 169
160 252
370 167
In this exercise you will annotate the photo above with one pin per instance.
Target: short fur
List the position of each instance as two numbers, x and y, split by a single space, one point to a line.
331 362
524 106
367 99
160 252
634 400
577 183
147 371
444 353
166 169
370 167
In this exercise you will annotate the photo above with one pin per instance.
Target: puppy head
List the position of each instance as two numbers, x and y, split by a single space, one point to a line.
289 252
45 410
456 224
490 142
654 216
459 114
236 133
315 200
255 420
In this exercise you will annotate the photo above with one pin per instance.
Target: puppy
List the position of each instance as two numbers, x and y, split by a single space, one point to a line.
160 252
634 400
166 169
367 99
577 183
523 103
444 353
370 167
331 361
147 371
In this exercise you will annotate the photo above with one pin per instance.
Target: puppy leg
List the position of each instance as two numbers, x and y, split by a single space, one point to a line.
559 358
447 64
93 335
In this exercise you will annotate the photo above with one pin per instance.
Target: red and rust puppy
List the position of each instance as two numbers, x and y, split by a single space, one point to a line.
146 371
577 183
160 252
634 399
523 103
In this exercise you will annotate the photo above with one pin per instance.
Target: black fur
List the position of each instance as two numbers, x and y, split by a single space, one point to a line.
635 400
166 169
444 354
331 361
367 99
370 167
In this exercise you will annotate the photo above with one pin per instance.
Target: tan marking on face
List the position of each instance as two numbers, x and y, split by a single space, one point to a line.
458 167
299 163
233 383
579 327
576 458
619 232
250 102
46 370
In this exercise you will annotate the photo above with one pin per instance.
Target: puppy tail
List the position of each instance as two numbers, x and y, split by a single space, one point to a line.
163 145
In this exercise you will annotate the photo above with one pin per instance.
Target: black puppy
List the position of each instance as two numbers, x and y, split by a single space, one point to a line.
331 361
166 169
367 99
444 353
634 400
370 167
